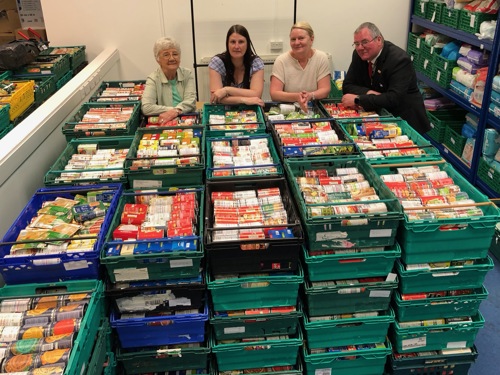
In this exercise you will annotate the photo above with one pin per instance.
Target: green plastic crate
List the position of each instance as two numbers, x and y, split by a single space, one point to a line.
420 8
415 41
325 112
257 170
68 129
440 119
430 152
64 79
454 141
76 54
44 88
450 17
273 351
100 350
444 64
347 230
6 130
4 116
295 369
269 324
236 128
157 264
110 365
489 175
168 175
81 351
470 22
425 64
349 297
335 92
442 77
457 239
414 55
451 278
495 243
254 291
103 143
347 362
437 307
432 363
434 11
436 337
56 65
171 357
100 96
348 264
347 331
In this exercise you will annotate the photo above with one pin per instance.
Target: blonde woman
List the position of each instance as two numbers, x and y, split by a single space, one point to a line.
303 73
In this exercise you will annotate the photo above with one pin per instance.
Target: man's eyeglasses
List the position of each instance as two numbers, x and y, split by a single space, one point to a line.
363 42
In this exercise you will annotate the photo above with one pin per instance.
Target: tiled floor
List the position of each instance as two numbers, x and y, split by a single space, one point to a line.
488 338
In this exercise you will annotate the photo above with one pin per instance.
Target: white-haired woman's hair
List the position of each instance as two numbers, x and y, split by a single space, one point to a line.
165 43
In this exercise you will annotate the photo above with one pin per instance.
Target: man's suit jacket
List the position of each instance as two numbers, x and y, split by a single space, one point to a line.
394 77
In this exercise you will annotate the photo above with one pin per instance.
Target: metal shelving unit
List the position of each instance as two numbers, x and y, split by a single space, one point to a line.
485 118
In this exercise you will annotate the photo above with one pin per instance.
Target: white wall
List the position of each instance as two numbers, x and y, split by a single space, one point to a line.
132 26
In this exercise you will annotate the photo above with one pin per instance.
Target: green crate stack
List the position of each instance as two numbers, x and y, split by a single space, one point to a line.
160 277
254 294
344 273
443 70
439 293
64 79
443 118
56 65
119 91
76 54
44 88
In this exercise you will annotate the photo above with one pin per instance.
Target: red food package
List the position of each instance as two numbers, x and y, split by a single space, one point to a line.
124 232
150 233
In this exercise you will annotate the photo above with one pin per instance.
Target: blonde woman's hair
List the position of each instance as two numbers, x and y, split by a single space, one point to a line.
303 25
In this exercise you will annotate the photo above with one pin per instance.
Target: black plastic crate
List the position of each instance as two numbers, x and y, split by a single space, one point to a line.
253 255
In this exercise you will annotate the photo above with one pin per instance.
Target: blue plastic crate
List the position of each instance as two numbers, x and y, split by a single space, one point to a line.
53 267
160 330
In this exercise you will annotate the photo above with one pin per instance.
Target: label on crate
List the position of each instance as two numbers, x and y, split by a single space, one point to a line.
178 263
323 371
127 274
163 171
353 222
380 293
380 233
326 236
182 301
391 277
141 184
414 343
456 345
77 265
231 330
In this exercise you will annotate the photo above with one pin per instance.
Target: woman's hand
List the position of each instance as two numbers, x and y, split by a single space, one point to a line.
217 95
303 100
167 116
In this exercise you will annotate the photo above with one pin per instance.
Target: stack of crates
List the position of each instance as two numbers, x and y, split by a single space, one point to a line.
153 257
253 237
57 66
445 236
349 254
61 320
20 96
76 55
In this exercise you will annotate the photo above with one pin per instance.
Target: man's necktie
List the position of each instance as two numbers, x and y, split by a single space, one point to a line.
370 69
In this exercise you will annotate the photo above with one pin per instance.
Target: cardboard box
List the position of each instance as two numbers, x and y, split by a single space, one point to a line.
8 4
6 37
9 21
41 32
30 14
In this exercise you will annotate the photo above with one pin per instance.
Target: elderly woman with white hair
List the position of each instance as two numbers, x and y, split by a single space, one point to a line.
170 89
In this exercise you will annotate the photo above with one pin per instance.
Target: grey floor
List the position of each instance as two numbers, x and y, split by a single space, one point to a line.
488 338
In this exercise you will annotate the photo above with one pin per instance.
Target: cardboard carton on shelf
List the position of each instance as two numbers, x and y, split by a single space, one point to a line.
8 4
9 20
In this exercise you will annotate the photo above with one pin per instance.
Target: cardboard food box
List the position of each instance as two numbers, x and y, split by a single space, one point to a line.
9 20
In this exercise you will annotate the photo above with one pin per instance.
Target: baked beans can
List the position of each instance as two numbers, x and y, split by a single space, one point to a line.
55 369
20 363
41 345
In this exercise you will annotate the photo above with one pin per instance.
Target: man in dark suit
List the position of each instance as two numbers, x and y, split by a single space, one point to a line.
390 82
